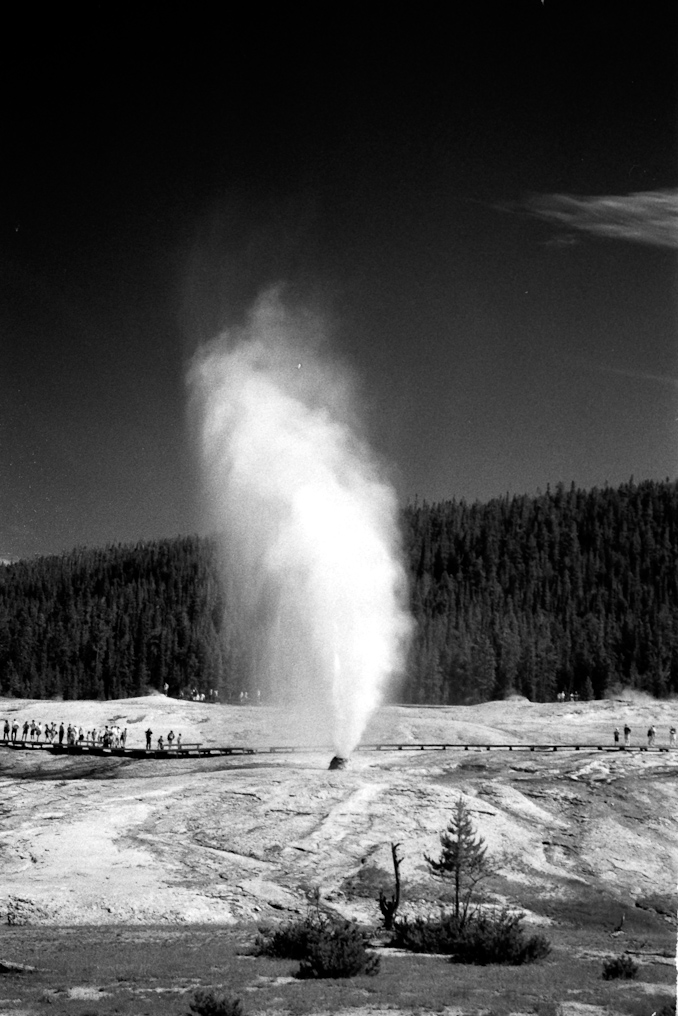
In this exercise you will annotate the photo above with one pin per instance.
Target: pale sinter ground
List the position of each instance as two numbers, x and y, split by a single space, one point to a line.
92 840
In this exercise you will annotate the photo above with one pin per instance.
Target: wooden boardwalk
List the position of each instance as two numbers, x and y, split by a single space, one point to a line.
199 750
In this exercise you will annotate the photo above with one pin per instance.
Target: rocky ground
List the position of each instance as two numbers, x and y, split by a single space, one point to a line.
107 840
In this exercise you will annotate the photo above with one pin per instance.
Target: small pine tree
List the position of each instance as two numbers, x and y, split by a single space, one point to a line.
462 859
338 949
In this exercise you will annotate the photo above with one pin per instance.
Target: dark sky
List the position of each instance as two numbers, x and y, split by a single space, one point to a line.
483 206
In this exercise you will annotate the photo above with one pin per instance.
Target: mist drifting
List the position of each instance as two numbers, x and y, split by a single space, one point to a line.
308 522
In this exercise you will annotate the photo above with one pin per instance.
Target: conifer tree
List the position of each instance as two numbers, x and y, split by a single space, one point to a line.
462 859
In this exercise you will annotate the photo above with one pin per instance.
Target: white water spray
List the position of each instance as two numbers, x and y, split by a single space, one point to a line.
308 522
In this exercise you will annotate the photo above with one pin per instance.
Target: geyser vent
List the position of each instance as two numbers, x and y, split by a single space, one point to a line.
338 762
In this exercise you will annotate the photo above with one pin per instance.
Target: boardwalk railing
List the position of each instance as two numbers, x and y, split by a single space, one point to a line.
197 749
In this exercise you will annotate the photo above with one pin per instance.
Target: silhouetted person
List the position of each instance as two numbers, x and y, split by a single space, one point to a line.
149 735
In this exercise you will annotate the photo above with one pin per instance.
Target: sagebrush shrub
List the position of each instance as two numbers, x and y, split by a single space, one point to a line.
480 938
432 935
620 966
207 1002
498 938
325 947
290 942
337 949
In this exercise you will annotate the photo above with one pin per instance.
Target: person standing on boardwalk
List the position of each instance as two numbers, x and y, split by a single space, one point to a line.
61 733
627 735
672 737
6 738
179 741
616 736
15 730
24 732
149 735
161 746
170 739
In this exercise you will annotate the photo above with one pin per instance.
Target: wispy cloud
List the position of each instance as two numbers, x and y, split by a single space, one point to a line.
640 375
649 217
563 240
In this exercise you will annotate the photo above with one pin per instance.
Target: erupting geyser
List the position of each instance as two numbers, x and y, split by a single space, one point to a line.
308 521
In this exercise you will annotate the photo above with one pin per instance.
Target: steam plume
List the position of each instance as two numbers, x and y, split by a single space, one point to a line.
309 523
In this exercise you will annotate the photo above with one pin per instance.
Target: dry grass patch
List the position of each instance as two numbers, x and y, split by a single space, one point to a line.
156 971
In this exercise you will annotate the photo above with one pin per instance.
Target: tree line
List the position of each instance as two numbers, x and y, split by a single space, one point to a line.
570 590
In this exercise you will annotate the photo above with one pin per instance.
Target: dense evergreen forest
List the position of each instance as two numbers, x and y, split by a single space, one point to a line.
571 590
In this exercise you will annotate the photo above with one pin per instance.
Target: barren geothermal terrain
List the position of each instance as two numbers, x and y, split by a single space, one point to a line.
576 837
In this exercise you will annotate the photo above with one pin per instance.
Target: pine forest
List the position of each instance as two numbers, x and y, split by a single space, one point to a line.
571 590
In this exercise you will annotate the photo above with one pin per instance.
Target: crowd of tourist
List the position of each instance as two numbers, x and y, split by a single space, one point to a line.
171 738
106 737
193 695
651 736
48 733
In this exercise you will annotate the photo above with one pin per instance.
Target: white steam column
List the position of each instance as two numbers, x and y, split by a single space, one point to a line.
309 523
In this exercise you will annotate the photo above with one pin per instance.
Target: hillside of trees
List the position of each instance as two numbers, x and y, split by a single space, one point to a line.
571 590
